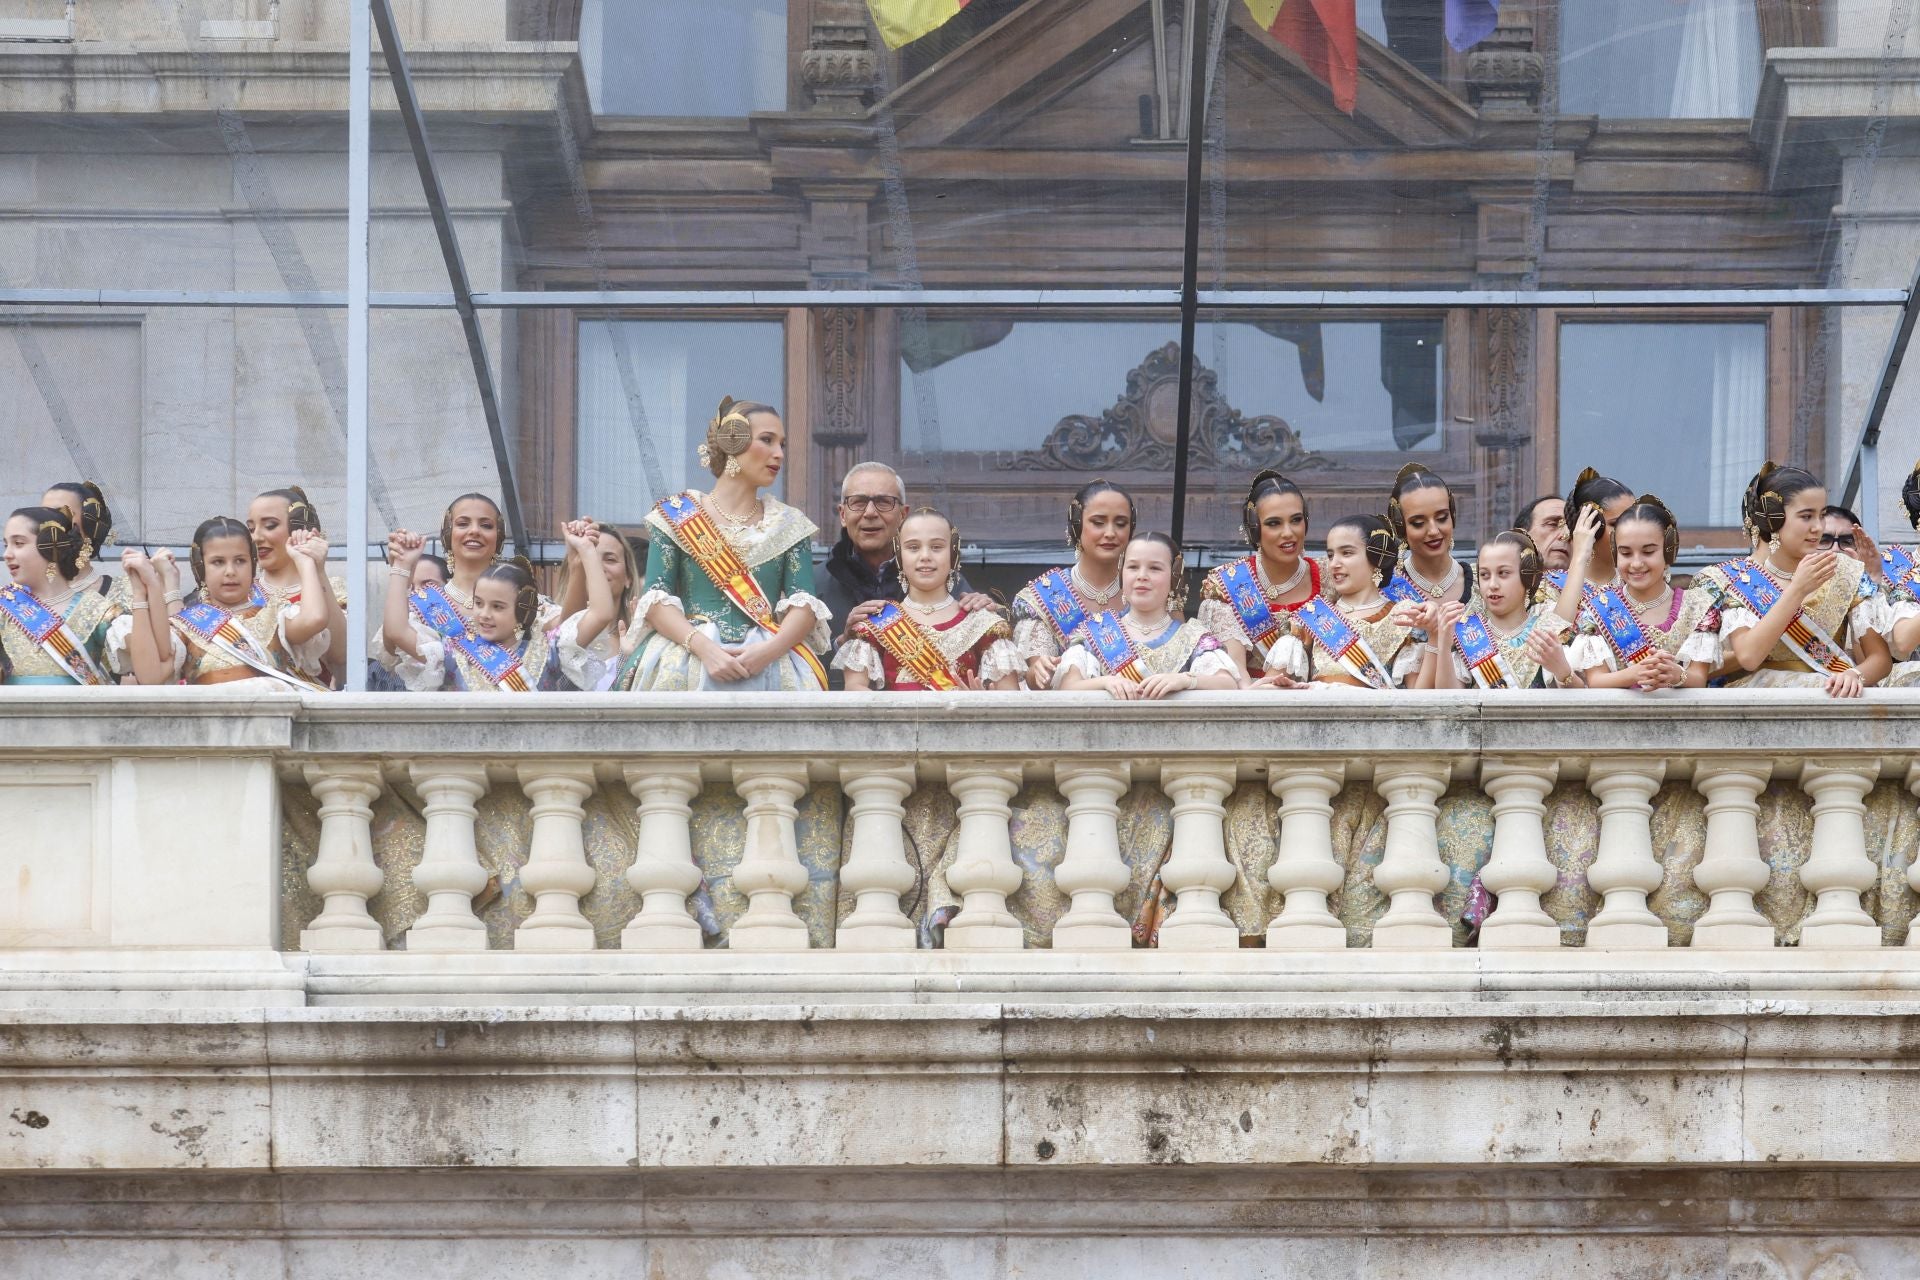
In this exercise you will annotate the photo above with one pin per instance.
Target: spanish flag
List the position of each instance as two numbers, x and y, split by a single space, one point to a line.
1323 32
904 21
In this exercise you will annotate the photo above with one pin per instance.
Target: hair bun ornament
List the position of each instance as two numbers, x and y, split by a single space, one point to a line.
729 431
1410 469
1586 475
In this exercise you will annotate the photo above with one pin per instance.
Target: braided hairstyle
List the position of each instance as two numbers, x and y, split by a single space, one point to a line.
1650 509
301 513
1264 486
1177 590
1412 478
1382 547
1768 494
1077 508
96 519
217 527
1532 568
517 573
729 432
57 538
499 523
1910 496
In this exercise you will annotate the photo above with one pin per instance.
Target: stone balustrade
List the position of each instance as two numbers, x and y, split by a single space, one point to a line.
649 826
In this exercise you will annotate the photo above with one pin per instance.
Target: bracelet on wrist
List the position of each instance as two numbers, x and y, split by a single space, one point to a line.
140 604
172 597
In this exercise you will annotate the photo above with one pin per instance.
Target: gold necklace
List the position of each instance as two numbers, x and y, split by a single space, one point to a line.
739 522
928 609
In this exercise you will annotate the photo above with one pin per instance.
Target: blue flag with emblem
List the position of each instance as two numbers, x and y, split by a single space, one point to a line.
1900 565
1620 625
1346 645
1481 652
1107 637
1259 619
1062 606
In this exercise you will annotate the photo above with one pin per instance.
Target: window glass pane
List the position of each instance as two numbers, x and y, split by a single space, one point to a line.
1660 59
713 58
647 388
1343 386
1680 409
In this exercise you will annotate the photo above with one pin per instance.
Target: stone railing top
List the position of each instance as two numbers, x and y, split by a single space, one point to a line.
1359 727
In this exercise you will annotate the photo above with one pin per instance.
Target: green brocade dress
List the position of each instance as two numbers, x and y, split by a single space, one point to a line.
778 552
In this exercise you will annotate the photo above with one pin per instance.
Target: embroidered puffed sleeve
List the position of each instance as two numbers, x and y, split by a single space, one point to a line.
1901 606
1405 664
309 657
118 651
1209 659
999 659
860 655
796 582
1871 611
1704 644
1080 660
1589 649
1033 634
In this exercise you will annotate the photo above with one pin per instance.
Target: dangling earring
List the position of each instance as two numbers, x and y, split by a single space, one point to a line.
85 558
1773 546
953 578
732 468
1378 579
51 575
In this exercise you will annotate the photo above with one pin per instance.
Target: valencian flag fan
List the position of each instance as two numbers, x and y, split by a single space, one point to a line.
1322 32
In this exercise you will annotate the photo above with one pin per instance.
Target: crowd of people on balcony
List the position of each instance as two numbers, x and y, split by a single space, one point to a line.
1578 594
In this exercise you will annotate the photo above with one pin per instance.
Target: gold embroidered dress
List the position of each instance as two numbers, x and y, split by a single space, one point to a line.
1847 606
196 662
778 553
1179 648
1280 652
1390 642
1670 626
972 643
1527 674
87 616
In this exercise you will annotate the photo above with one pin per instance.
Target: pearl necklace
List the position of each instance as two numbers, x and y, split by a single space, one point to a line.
928 609
1081 585
54 602
1652 606
1362 609
1143 637
1273 592
1432 590
739 522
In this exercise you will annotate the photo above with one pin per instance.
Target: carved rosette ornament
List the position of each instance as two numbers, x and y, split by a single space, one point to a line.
1139 431
839 68
1504 73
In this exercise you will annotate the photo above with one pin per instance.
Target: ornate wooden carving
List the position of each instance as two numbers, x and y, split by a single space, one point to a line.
1139 431
1504 71
840 338
839 68
1504 428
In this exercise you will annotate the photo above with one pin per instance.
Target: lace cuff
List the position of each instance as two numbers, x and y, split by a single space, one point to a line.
1214 662
119 646
589 668
1704 647
1287 655
1405 664
426 673
309 657
1000 661
1033 638
859 655
649 598
1734 621
820 637
1871 614
1590 651
1080 660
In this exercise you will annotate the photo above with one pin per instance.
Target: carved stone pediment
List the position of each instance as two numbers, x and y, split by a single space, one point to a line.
1139 431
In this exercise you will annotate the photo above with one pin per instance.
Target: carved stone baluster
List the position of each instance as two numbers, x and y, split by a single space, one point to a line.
1518 871
1092 870
1731 871
557 873
1913 870
1624 871
770 872
449 873
663 871
983 871
344 873
1837 870
1305 869
1410 870
876 871
1198 871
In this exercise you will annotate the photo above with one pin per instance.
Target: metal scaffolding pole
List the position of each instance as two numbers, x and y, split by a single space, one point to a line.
359 137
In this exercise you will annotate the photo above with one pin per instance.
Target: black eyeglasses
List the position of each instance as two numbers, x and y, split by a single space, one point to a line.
885 504
1842 540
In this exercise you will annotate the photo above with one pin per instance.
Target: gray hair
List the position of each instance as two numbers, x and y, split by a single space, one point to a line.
858 467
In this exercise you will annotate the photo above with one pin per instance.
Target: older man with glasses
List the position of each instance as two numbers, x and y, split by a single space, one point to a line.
859 570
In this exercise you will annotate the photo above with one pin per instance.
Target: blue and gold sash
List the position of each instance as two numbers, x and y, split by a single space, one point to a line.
1481 652
1347 646
501 666
1054 590
214 628
707 547
46 628
1259 619
1620 625
1557 579
1902 569
1804 637
892 630
1108 638
1401 591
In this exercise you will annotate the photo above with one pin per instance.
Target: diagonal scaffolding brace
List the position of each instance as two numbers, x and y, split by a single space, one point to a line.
416 125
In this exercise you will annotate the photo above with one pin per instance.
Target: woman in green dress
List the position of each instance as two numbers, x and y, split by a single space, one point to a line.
53 628
728 601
